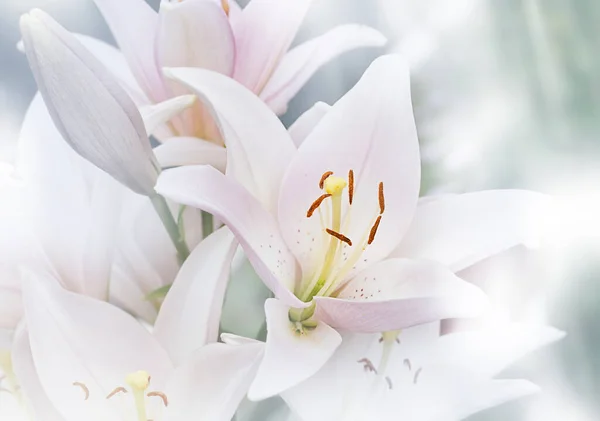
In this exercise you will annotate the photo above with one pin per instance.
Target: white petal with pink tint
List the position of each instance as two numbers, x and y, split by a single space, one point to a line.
300 63
205 188
190 314
460 230
306 123
396 294
259 148
290 358
370 130
133 24
178 151
263 33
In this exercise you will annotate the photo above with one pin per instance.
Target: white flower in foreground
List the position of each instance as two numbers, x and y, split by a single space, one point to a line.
85 359
90 109
418 375
341 209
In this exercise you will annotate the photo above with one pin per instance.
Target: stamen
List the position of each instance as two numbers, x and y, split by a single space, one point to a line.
225 6
160 395
117 390
417 375
323 178
368 365
339 236
84 388
316 205
350 186
374 230
381 199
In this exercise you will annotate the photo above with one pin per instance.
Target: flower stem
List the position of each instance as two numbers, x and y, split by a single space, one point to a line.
207 224
163 211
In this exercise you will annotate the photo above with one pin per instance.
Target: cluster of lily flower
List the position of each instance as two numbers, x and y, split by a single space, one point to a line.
117 255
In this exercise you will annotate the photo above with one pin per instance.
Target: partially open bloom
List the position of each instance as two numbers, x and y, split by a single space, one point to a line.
338 210
419 375
250 45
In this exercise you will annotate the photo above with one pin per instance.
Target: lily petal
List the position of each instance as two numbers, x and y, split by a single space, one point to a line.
179 151
134 24
195 33
205 188
189 316
105 127
290 358
263 33
397 294
29 381
92 342
490 351
156 115
74 211
212 382
298 65
460 230
306 123
371 131
114 60
258 146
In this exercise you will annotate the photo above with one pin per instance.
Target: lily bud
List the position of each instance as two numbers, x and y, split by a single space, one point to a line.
90 109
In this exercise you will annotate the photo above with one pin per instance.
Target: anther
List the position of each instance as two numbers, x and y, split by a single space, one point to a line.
381 199
160 395
417 375
374 230
323 178
389 382
225 6
339 236
316 205
84 388
117 390
407 364
350 186
368 365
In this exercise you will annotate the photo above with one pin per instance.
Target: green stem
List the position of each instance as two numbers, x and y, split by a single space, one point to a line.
163 211
207 224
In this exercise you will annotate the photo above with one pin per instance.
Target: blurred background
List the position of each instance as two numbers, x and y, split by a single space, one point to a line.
506 95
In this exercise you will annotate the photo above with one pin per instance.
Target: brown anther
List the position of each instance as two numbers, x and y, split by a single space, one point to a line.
417 375
323 178
84 388
350 186
381 199
339 236
389 382
225 6
316 205
368 365
160 395
407 364
117 390
374 230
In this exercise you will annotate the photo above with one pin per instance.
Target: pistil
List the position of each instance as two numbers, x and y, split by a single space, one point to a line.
138 382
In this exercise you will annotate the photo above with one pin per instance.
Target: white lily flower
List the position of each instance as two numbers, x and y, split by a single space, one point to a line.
250 45
419 375
341 209
86 359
